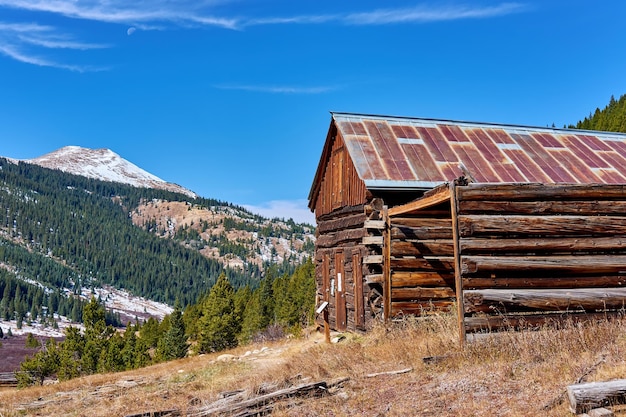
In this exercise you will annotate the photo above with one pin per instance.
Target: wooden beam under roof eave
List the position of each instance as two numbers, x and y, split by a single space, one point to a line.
436 196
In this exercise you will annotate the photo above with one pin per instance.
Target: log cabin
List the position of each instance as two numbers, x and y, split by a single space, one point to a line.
506 225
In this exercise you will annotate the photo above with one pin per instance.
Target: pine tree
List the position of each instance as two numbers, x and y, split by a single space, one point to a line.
71 353
219 324
97 335
173 344
42 365
32 342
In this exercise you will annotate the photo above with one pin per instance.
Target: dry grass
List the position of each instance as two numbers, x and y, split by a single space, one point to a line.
506 374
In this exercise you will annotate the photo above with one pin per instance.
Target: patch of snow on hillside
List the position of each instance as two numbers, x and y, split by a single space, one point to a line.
105 165
38 329
126 304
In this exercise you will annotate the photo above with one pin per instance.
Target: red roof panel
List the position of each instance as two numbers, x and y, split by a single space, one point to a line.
422 153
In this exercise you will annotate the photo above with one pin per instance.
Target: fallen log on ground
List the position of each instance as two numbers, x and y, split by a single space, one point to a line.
263 404
585 397
8 379
398 372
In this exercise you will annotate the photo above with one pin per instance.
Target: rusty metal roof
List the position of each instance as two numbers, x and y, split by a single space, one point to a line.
411 153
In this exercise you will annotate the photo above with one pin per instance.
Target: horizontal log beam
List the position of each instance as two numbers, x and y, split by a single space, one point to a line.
421 293
374 279
590 299
541 225
427 222
424 279
422 247
520 192
442 195
373 259
421 233
558 281
520 321
372 240
375 224
594 208
425 264
548 265
420 308
331 240
560 244
341 223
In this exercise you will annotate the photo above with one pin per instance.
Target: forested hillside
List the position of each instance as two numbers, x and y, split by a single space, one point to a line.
61 233
611 119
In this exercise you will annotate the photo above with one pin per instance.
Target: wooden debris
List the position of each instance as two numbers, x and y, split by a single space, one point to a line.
398 372
588 371
600 412
262 404
164 413
7 379
586 397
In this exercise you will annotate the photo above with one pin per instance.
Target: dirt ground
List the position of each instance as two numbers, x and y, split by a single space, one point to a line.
13 351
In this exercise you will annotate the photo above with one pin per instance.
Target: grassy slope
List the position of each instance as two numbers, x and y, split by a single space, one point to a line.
511 374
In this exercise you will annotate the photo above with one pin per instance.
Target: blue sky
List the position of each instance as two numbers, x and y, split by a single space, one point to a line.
231 98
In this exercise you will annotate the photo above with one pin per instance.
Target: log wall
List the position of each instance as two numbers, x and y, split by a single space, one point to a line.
342 250
528 253
421 261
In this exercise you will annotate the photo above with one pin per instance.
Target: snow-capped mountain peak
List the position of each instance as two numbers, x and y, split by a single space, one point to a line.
103 164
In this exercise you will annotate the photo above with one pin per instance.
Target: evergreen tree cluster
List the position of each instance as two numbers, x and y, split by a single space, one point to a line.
24 302
222 319
225 317
610 119
101 348
67 232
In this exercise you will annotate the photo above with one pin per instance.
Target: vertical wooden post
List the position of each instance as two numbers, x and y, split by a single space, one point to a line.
357 277
387 264
326 326
458 279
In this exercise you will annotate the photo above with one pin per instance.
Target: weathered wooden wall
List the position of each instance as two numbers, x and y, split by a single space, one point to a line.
339 267
421 261
339 185
528 253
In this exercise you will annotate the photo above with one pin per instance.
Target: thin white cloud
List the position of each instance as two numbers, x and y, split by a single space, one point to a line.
285 209
423 14
276 89
60 43
163 14
20 56
25 42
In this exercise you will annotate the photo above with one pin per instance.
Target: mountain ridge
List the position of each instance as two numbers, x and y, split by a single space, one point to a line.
71 236
105 165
